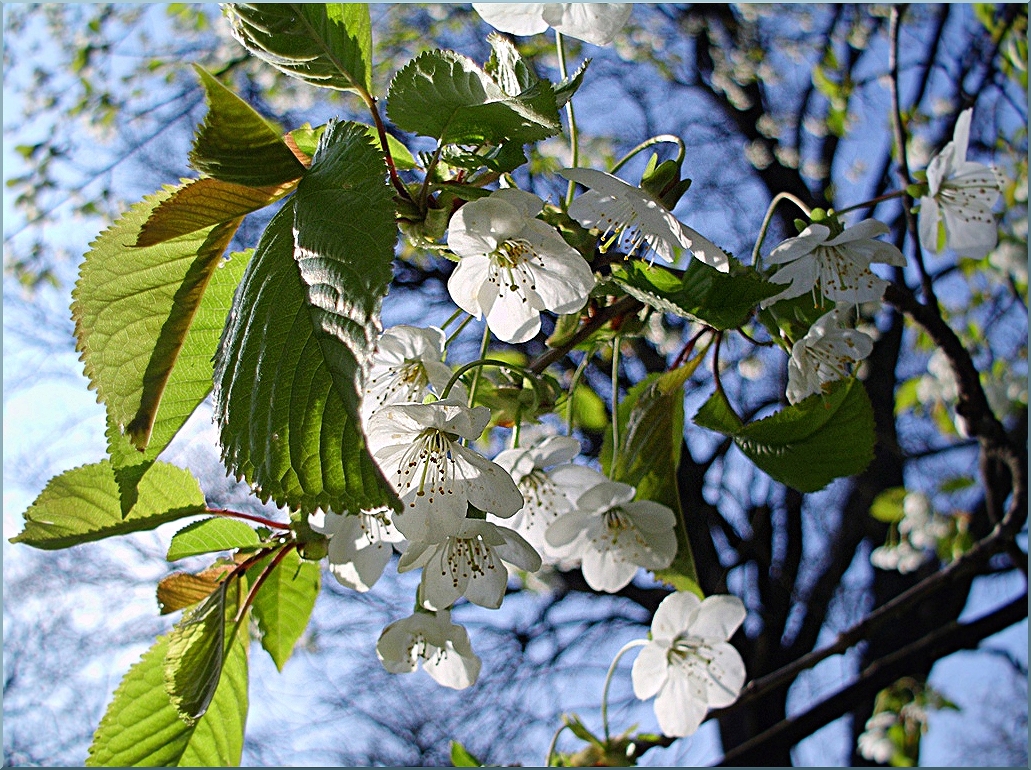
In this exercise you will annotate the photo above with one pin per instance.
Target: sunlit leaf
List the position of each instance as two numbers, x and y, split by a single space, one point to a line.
209 535
196 648
445 95
142 728
84 504
323 44
284 603
235 144
183 589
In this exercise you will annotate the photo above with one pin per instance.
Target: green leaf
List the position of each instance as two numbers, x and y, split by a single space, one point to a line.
84 504
445 95
196 649
887 506
306 139
327 45
188 383
806 445
142 728
651 435
209 535
460 756
793 317
183 589
200 203
286 397
133 308
235 144
704 294
284 603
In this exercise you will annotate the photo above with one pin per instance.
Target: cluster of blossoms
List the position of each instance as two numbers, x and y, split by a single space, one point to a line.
921 531
465 520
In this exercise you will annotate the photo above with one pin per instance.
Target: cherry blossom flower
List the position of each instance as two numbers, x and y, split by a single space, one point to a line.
824 355
620 209
360 545
835 264
407 361
550 484
513 266
594 23
921 524
960 197
621 534
417 448
442 646
901 556
469 564
874 743
689 664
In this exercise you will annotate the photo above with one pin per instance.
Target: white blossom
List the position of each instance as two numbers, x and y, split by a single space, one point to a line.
824 355
689 664
902 557
417 448
512 266
551 485
620 534
921 524
360 545
442 646
407 361
838 266
594 23
469 564
620 209
960 197
874 743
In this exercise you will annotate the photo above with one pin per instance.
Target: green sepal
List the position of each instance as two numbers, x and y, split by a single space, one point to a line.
805 445
887 506
141 727
284 602
327 45
218 533
84 505
235 144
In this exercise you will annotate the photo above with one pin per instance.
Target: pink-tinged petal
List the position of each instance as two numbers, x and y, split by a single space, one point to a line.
514 18
650 670
607 570
465 283
679 708
725 675
674 615
800 245
718 617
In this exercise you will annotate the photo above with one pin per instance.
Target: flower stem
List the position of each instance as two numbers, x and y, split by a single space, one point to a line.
553 744
873 201
615 405
577 374
456 332
261 579
249 517
661 138
781 196
484 344
608 680
574 133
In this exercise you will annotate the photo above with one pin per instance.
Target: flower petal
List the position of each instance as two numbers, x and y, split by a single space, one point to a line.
514 18
679 708
718 617
673 615
650 670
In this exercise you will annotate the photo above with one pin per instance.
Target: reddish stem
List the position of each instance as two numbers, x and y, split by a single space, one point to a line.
250 517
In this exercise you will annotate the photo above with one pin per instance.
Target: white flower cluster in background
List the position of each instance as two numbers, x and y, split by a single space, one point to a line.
921 532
